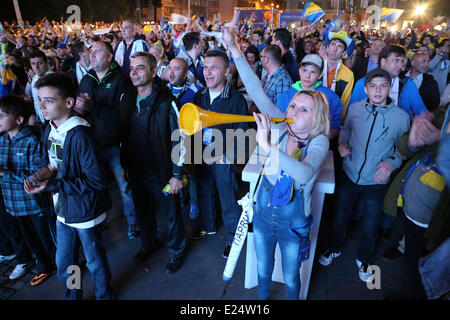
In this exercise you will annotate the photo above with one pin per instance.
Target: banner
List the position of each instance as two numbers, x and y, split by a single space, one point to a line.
288 18
239 237
256 17
312 12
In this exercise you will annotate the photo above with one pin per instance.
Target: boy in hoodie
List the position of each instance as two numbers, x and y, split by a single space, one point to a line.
73 176
19 158
367 142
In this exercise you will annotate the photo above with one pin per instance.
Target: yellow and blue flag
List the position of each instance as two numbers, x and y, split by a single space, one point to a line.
336 24
312 12
390 14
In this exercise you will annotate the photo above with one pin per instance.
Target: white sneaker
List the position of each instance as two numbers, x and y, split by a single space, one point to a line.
7 258
364 273
18 271
327 257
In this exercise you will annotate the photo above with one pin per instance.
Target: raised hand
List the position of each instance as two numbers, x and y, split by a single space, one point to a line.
262 134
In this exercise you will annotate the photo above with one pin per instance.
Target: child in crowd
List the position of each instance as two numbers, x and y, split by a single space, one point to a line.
20 156
367 142
73 176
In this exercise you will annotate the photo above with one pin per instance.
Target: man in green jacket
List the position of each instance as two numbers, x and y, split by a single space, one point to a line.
419 190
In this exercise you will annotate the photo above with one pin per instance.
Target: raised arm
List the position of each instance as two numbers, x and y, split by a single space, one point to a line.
248 77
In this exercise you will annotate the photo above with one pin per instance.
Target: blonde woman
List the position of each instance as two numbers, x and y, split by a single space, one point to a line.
283 197
157 50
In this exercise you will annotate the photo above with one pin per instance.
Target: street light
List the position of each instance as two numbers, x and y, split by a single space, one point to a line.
420 10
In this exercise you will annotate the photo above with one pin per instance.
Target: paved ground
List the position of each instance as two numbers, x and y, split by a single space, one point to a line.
200 276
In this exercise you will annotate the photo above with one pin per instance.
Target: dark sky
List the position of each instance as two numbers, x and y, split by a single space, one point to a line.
33 10
110 10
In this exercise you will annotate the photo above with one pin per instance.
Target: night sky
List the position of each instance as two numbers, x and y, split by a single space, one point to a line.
110 10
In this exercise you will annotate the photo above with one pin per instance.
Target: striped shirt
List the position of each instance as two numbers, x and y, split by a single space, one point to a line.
277 83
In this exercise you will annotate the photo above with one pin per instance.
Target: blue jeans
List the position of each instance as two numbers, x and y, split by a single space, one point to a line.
271 225
372 197
109 159
94 251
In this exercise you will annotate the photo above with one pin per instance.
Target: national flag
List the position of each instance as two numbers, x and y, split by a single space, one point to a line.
312 12
390 14
336 24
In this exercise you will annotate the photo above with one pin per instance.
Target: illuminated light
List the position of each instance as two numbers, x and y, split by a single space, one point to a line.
420 10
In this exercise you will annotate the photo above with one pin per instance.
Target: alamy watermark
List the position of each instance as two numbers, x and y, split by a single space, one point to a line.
74 280
375 280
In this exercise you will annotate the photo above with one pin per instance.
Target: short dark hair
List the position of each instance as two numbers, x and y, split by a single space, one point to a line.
341 41
37 54
151 60
190 39
391 49
76 49
220 54
274 51
16 105
254 50
284 36
108 46
60 81
259 33
377 73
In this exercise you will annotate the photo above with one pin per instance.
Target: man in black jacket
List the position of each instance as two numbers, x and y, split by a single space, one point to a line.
425 83
100 93
363 65
147 157
221 151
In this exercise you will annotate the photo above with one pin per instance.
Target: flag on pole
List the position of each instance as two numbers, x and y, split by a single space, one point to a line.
390 14
178 19
312 12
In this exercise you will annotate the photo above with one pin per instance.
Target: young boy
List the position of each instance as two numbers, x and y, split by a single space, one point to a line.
19 158
73 176
367 142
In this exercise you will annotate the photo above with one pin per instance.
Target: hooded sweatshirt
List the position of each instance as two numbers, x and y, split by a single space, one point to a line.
57 137
372 132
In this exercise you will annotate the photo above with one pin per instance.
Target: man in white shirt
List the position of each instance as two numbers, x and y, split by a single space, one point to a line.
81 54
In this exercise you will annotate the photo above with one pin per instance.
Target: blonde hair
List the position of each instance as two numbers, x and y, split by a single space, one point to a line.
158 47
321 122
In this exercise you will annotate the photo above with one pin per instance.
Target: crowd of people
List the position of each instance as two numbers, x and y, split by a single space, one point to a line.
82 105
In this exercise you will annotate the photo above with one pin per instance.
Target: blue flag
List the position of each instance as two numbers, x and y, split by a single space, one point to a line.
312 12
